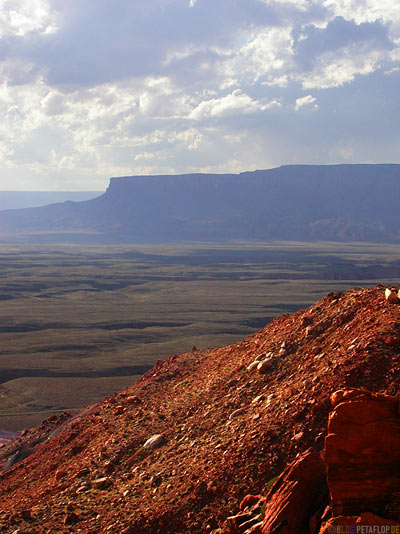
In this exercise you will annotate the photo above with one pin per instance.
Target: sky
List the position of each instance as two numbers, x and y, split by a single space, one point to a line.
92 89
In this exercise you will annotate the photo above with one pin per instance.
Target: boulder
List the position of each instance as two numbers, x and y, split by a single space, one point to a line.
154 442
264 366
239 411
101 483
391 296
296 496
133 399
362 452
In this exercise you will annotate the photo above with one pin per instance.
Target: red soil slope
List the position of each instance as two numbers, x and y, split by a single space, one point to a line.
227 430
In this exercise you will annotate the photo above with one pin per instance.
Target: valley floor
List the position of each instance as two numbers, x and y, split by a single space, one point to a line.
80 322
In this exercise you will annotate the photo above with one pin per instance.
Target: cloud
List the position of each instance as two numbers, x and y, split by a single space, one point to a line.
100 42
365 10
308 100
22 17
333 55
233 103
311 41
92 89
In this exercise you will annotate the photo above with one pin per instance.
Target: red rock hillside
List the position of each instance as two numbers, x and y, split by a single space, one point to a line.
224 424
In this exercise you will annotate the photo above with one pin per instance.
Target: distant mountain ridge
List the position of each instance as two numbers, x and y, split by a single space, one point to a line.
11 200
293 202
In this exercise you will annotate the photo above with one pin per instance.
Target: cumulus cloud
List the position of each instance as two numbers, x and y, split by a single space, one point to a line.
333 55
233 103
22 17
92 88
311 42
307 100
99 42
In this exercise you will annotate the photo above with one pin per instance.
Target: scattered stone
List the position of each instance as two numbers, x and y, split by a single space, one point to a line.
26 515
298 437
71 518
212 487
391 296
101 483
237 412
264 366
155 441
109 466
391 341
133 399
76 449
306 321
253 365
82 488
155 480
59 474
82 472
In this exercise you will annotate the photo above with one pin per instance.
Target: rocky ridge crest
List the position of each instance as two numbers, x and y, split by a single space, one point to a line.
226 429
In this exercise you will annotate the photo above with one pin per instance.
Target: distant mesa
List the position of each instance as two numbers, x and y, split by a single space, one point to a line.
293 202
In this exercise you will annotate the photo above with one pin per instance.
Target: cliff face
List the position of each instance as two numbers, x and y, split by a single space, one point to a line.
353 482
224 423
298 202
365 429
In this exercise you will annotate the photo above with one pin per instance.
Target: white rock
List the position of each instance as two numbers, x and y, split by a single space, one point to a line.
155 441
253 365
102 482
391 296
237 412
257 399
298 437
